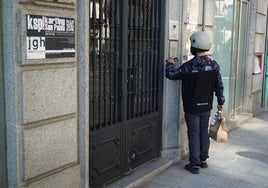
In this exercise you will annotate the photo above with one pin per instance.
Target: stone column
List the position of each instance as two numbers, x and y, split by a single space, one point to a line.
171 97
46 137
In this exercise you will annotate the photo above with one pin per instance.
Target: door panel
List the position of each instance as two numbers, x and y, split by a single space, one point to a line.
105 155
142 125
143 140
124 89
105 93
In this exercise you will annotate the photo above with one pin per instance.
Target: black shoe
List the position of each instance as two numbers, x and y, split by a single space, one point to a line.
192 168
203 164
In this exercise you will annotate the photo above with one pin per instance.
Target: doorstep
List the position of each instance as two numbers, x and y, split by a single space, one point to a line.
144 173
237 120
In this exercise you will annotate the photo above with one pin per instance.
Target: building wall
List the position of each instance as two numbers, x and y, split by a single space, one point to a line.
46 100
191 17
46 134
259 51
256 52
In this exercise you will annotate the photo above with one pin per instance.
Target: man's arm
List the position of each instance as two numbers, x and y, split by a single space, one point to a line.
219 91
172 72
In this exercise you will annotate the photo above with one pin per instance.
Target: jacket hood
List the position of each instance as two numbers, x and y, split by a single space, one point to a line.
200 61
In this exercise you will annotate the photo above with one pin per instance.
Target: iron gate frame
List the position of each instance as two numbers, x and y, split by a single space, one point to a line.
122 73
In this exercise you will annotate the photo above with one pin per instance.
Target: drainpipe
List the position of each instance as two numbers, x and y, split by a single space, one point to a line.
203 16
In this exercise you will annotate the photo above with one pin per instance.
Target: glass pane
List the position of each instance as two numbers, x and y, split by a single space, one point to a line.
222 45
241 57
233 71
238 58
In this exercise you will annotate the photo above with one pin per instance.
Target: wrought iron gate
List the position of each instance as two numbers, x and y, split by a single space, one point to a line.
125 84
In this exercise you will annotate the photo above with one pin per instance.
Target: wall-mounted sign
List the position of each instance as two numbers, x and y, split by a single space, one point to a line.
50 37
173 30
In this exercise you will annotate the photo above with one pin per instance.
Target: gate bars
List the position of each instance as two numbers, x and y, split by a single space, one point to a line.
143 53
142 68
104 60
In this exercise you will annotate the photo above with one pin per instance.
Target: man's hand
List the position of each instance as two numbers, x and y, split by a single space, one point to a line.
170 60
220 107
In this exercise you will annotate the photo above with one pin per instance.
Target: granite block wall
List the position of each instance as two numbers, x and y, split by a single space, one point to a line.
42 94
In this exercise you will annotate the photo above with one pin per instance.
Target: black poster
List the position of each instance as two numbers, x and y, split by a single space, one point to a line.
50 37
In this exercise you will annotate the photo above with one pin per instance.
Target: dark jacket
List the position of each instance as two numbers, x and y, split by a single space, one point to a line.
200 79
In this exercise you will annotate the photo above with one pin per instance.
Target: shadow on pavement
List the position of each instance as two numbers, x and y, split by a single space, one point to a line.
252 155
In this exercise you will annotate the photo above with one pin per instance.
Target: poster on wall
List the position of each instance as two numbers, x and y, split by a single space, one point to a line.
50 37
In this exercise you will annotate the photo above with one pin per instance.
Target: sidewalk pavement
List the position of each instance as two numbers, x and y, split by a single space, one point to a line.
241 162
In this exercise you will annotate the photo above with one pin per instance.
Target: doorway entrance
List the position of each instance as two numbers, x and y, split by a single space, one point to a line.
125 86
239 58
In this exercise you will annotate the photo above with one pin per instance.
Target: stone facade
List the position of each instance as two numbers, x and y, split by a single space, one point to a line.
44 102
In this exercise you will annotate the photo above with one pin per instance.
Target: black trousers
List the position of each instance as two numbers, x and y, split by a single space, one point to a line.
198 138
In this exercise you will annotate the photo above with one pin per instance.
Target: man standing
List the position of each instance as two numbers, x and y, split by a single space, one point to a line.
200 79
